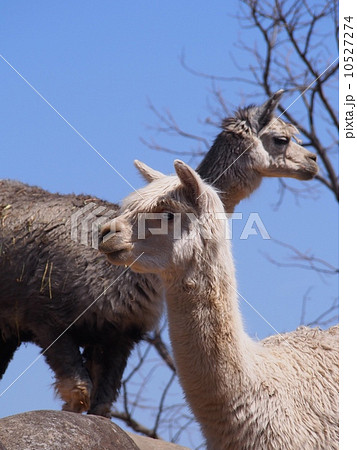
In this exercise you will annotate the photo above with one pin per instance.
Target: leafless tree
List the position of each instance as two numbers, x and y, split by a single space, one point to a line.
290 52
294 46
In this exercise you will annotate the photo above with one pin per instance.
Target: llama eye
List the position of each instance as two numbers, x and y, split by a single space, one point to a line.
281 140
168 215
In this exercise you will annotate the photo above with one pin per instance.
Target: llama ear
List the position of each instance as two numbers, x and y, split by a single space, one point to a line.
189 178
147 172
265 113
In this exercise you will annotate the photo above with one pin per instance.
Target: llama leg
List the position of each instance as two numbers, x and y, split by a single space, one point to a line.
7 350
73 383
106 367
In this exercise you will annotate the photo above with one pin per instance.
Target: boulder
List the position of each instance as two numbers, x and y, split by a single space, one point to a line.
61 430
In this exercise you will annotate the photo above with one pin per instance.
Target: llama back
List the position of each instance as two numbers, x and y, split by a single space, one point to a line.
307 376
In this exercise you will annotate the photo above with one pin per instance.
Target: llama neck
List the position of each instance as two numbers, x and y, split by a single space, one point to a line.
213 355
228 167
232 196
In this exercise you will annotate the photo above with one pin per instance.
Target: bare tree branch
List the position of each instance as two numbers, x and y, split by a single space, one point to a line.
161 347
323 319
136 426
303 260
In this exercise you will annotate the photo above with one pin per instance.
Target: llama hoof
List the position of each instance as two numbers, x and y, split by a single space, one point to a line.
76 395
101 410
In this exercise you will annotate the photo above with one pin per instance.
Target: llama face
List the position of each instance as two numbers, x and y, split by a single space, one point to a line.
265 147
128 237
281 155
254 143
161 223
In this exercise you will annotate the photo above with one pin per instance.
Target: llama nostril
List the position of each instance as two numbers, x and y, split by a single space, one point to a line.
313 156
106 230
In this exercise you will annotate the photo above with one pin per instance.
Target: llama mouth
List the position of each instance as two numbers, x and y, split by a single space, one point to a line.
311 171
112 245
118 257
305 171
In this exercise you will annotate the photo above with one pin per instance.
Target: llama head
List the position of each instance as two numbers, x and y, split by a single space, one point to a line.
254 143
163 226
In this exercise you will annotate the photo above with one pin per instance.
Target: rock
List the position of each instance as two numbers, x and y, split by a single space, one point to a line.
61 430
145 443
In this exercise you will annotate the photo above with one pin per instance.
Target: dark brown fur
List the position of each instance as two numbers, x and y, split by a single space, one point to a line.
47 280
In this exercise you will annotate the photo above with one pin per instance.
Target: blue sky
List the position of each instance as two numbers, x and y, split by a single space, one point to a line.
98 64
